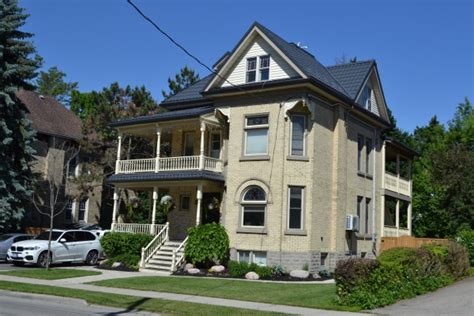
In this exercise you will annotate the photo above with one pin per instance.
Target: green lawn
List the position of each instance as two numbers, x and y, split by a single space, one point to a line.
131 302
305 295
51 274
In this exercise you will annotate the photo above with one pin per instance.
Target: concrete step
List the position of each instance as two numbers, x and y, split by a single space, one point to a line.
158 268
155 271
160 261
167 248
173 243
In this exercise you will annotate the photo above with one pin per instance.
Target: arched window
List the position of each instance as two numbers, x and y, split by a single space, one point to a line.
254 204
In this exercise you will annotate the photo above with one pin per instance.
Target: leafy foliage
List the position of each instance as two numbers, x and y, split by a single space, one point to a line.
207 244
399 273
52 83
240 269
466 238
182 80
131 262
127 244
17 69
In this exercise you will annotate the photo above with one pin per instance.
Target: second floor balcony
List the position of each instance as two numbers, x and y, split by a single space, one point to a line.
169 164
398 164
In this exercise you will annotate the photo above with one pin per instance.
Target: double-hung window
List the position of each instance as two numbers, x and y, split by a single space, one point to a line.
68 210
368 155
83 203
295 207
251 69
366 217
367 98
254 204
256 135
360 153
264 68
298 130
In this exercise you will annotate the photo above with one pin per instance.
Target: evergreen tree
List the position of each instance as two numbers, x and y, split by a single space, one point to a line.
17 68
52 83
182 80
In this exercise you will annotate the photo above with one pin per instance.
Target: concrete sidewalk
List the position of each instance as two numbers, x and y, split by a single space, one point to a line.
77 283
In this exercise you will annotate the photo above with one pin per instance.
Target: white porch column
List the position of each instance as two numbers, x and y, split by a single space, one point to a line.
153 213
116 207
158 145
201 146
119 150
199 206
409 218
397 216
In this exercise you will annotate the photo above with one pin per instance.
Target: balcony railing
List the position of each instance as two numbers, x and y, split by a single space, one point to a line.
396 184
395 232
135 228
169 164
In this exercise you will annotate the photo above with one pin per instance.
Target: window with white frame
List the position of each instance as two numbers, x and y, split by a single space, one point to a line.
264 68
215 145
257 257
368 155
254 204
360 152
68 210
367 98
298 130
83 204
72 166
251 69
256 135
295 207
366 218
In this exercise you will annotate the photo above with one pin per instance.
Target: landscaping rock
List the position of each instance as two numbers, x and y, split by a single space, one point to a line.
193 271
117 264
316 276
299 274
188 266
217 269
103 262
252 276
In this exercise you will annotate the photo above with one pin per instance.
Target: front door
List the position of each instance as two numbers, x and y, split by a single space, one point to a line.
211 202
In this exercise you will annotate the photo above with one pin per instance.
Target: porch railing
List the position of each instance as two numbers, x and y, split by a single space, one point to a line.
157 242
151 229
396 184
169 164
177 259
395 232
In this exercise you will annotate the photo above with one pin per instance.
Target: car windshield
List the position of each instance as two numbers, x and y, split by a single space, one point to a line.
45 236
5 237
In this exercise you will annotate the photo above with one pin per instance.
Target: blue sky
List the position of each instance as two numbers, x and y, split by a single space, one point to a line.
423 48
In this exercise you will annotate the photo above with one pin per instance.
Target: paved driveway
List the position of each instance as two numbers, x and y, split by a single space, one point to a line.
457 299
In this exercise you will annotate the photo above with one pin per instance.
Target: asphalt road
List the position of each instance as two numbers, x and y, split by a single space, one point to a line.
14 304
456 299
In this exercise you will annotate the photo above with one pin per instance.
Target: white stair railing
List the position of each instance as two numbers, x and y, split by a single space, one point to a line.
155 244
178 259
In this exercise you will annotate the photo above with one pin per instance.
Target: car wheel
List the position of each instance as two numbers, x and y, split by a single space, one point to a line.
43 259
18 263
92 257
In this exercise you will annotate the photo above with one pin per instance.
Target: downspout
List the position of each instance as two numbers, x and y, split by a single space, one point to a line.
374 180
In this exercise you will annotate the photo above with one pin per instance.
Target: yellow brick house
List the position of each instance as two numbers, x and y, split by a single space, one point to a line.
288 151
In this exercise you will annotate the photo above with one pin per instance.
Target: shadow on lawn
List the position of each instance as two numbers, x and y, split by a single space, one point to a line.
132 307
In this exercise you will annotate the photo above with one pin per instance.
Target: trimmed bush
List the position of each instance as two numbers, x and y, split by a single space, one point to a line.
466 238
127 244
207 245
240 269
399 273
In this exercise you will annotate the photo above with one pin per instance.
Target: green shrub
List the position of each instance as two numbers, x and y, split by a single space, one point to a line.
116 244
240 269
130 261
466 238
457 261
207 245
277 270
350 273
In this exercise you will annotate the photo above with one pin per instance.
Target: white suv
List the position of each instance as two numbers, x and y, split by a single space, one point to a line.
66 246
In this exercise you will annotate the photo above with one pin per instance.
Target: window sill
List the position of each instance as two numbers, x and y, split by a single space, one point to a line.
247 230
297 158
364 175
255 158
296 232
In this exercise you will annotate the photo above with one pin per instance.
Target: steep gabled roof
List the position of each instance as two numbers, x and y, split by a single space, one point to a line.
191 93
352 75
50 117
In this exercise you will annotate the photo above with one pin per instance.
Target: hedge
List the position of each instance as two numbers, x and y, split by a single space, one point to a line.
399 273
207 245
240 269
118 244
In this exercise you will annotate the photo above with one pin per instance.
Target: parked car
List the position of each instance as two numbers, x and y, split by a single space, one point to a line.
7 240
66 246
101 232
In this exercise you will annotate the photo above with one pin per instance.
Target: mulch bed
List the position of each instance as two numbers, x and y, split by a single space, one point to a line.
224 275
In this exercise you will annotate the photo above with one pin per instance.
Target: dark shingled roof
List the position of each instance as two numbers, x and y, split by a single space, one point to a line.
48 116
167 176
352 75
165 116
191 93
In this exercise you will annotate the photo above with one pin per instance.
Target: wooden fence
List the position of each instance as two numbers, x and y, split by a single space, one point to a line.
408 241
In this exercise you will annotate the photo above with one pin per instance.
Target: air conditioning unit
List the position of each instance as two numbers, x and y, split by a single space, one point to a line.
352 222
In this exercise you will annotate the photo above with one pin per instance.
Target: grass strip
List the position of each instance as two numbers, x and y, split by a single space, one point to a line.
304 295
51 274
130 303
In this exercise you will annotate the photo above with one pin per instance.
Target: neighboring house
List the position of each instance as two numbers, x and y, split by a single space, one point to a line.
58 131
288 151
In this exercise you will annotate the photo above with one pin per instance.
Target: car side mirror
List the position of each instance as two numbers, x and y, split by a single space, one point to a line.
62 240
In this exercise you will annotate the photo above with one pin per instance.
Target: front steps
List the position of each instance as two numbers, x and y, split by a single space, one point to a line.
163 258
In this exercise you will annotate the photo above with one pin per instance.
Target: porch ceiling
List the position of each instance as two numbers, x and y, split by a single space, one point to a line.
168 177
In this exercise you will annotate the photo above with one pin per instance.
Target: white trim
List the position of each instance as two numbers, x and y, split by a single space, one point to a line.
250 203
86 209
302 220
73 211
305 133
211 133
256 127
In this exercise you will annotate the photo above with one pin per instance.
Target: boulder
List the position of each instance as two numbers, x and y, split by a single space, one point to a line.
299 274
117 264
217 269
252 276
188 266
316 275
193 271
